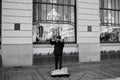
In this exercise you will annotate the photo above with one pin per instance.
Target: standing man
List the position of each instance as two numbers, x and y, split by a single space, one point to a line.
58 51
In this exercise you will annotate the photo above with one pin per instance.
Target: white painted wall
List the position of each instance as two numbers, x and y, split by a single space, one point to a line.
17 11
89 44
17 47
88 15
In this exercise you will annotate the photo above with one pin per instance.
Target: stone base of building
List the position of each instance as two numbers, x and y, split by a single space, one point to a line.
89 52
17 55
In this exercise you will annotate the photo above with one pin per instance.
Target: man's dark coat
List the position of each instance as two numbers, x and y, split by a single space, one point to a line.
58 48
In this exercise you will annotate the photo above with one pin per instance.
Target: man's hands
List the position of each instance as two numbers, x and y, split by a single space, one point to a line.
55 39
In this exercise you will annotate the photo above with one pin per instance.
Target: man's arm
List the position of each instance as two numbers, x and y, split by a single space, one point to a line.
52 42
62 42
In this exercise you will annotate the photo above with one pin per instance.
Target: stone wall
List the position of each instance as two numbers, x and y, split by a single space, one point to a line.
17 44
88 40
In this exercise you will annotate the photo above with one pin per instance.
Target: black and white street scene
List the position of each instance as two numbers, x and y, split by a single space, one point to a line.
59 39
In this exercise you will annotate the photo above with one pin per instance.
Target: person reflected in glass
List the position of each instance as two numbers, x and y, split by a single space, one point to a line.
58 51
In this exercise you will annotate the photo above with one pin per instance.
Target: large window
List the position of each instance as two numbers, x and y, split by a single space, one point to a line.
110 20
52 18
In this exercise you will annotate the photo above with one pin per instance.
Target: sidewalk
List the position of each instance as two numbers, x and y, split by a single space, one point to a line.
109 70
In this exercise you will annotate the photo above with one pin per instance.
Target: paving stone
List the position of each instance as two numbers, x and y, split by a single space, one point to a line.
75 78
112 79
78 71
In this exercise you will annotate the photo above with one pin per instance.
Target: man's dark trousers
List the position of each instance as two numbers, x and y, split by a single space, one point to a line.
58 61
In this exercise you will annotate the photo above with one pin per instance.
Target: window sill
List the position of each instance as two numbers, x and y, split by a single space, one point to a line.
110 44
51 46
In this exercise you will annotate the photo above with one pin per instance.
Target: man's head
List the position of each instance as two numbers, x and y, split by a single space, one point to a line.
58 37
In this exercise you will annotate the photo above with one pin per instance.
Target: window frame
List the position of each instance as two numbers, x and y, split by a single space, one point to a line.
64 22
113 9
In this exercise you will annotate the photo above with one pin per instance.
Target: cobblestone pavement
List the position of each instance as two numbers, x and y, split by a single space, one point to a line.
109 70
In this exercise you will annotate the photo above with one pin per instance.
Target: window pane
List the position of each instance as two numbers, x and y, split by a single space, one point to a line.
65 13
116 18
39 0
119 18
61 1
118 35
44 0
39 12
60 11
53 20
113 4
69 13
105 4
43 11
105 16
65 1
102 3
113 18
52 1
115 34
109 3
109 17
49 12
100 12
44 32
105 34
119 4
116 4
68 33
72 14
35 14
73 2
110 34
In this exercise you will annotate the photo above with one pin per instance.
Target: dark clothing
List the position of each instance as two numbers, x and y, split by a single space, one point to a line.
58 48
58 60
58 52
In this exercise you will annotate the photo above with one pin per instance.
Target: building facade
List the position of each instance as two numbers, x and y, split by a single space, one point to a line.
87 26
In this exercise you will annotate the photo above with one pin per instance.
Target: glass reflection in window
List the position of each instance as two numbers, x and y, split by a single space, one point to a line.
110 21
51 20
